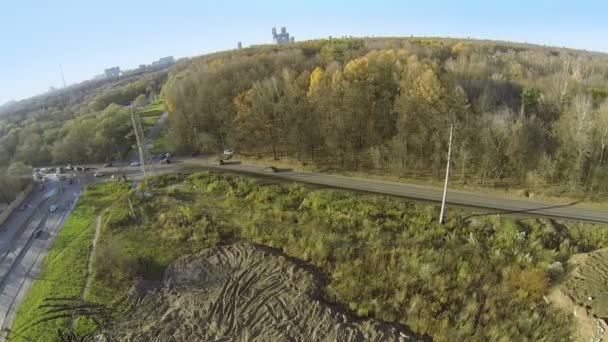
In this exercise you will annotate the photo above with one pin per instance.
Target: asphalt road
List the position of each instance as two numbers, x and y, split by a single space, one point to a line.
18 218
22 265
489 203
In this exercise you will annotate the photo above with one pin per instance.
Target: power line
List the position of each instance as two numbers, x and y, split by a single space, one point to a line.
139 137
62 77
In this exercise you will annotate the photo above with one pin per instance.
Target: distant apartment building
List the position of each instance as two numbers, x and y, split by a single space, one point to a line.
112 72
164 61
283 37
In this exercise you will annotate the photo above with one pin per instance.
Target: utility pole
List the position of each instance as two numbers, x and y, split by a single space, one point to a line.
62 77
139 137
223 145
447 176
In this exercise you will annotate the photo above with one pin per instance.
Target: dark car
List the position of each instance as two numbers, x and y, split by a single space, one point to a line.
271 169
107 164
165 161
219 162
38 233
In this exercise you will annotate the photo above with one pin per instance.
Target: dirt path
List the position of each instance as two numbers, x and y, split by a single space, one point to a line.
244 292
91 254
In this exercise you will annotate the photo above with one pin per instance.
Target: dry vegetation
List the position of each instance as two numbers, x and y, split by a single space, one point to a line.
475 278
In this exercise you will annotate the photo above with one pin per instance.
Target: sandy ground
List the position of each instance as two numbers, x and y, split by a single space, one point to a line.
244 292
584 293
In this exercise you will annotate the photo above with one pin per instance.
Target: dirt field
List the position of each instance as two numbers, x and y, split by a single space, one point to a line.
244 292
584 294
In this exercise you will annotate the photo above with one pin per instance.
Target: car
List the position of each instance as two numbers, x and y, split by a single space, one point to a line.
62 177
271 169
135 163
37 233
165 161
79 168
228 152
41 187
161 156
53 208
98 174
219 162
59 170
45 179
107 164
69 167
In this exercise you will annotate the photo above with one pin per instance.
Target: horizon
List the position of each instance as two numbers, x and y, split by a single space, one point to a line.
92 41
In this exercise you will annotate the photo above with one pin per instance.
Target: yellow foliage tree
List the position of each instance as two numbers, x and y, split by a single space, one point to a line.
315 80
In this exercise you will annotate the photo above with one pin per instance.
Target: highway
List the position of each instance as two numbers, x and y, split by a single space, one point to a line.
22 253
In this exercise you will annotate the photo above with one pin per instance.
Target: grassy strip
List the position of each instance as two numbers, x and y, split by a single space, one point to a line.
153 110
63 273
159 144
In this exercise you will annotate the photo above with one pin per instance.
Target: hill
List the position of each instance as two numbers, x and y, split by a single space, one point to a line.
524 115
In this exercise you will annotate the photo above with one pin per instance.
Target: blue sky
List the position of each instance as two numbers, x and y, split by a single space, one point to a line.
87 36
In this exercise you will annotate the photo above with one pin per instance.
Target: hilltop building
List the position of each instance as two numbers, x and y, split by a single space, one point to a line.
282 38
112 72
164 61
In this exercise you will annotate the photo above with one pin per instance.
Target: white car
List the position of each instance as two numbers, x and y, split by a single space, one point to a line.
98 174
135 163
228 152
53 208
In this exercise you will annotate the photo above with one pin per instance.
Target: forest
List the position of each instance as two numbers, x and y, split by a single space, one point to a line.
523 115
81 126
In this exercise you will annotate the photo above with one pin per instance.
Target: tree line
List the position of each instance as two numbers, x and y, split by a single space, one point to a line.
522 114
81 125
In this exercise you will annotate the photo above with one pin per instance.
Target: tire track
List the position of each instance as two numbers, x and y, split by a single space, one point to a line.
244 292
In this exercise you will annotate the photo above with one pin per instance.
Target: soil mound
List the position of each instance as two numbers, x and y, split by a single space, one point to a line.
583 293
244 292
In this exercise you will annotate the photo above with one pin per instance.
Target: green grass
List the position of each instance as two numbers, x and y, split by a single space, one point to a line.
153 110
63 272
159 144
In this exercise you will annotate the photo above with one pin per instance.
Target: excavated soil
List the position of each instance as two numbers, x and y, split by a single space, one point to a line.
244 292
584 293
